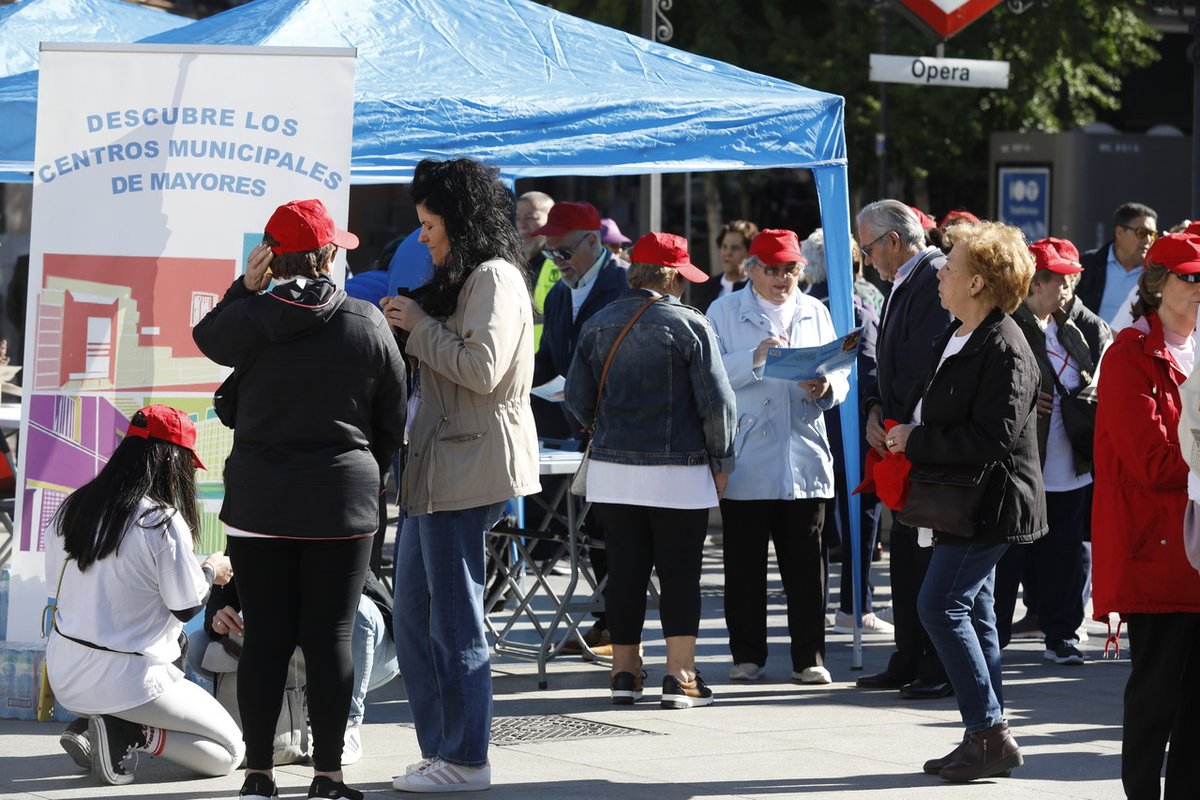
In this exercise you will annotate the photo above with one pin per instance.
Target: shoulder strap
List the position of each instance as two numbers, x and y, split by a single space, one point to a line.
612 351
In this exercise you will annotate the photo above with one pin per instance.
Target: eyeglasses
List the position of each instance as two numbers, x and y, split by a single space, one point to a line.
564 253
866 248
791 270
1141 231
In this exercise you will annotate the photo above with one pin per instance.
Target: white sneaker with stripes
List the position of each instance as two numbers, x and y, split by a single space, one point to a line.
442 776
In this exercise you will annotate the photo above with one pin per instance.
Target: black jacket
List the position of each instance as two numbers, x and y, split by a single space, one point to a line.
912 319
321 408
980 407
560 333
702 294
1085 337
1090 289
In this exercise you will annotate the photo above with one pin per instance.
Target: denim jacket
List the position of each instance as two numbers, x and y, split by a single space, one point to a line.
782 449
666 400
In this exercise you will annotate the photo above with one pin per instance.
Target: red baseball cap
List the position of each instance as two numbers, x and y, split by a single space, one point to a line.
776 246
1193 228
1049 258
566 217
1066 248
1178 252
958 217
166 423
303 225
926 221
667 250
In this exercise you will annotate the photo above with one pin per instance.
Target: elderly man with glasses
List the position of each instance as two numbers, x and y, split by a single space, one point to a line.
591 279
1111 271
893 240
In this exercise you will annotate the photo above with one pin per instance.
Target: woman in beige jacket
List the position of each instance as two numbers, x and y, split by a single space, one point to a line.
471 447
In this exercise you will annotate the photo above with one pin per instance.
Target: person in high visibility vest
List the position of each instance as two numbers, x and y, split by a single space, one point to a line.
533 208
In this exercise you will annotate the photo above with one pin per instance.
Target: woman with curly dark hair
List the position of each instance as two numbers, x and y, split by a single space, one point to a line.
471 447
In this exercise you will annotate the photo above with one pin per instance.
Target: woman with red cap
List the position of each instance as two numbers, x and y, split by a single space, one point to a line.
320 410
120 551
648 378
785 466
1139 566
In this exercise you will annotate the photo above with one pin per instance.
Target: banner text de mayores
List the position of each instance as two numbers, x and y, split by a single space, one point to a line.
204 146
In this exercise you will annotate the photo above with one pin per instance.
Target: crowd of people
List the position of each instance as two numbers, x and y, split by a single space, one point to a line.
1004 379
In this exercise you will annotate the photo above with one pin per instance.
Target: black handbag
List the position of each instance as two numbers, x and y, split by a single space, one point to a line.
1078 410
949 499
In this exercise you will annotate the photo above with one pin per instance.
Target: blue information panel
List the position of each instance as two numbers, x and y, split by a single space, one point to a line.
1025 200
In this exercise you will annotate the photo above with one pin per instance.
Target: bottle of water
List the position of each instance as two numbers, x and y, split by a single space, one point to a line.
5 582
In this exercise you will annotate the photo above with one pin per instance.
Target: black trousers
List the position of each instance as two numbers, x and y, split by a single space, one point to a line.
1052 566
297 592
915 656
795 528
671 542
1161 705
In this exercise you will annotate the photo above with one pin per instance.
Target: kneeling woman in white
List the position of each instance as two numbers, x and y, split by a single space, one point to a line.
121 553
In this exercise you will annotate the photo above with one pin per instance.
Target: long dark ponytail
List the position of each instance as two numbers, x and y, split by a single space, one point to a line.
92 520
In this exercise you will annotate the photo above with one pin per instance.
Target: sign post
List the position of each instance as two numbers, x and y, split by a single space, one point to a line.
1024 200
927 71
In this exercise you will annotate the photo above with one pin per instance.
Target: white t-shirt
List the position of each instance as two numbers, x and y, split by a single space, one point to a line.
123 602
661 486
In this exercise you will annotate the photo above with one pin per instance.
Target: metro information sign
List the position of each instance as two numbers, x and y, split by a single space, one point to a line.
948 17
965 72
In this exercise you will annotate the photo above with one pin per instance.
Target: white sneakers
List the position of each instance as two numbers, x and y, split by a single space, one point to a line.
746 671
813 675
872 623
436 775
352 749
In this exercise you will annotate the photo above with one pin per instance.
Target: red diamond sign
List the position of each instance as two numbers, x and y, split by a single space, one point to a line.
948 17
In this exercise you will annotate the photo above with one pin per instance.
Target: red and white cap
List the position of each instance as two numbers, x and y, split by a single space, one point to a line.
667 250
303 225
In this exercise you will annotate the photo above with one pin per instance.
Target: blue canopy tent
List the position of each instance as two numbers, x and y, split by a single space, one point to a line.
24 25
537 93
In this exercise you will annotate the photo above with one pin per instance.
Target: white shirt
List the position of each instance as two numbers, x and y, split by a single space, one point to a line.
123 602
657 486
581 290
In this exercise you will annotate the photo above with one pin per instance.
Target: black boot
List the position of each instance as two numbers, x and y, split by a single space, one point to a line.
989 753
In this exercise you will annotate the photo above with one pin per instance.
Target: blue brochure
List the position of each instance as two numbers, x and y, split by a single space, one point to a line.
802 363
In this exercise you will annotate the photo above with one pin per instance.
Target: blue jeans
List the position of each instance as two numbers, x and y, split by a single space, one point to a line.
374 655
957 608
440 640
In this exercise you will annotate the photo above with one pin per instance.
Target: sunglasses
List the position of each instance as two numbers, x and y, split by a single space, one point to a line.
563 253
1191 277
791 270
1141 231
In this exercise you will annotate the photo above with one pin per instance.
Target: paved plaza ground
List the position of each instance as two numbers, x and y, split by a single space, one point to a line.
767 739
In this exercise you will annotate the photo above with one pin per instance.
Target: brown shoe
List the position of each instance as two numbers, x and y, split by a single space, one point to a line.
594 638
934 765
989 753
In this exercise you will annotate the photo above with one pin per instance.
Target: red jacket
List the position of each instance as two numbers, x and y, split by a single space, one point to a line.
1138 561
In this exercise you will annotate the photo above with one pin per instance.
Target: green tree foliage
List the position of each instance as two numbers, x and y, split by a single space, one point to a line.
1067 60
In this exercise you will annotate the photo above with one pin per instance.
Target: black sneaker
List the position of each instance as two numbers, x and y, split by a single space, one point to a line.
75 741
259 786
113 739
627 688
676 694
1064 653
323 786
